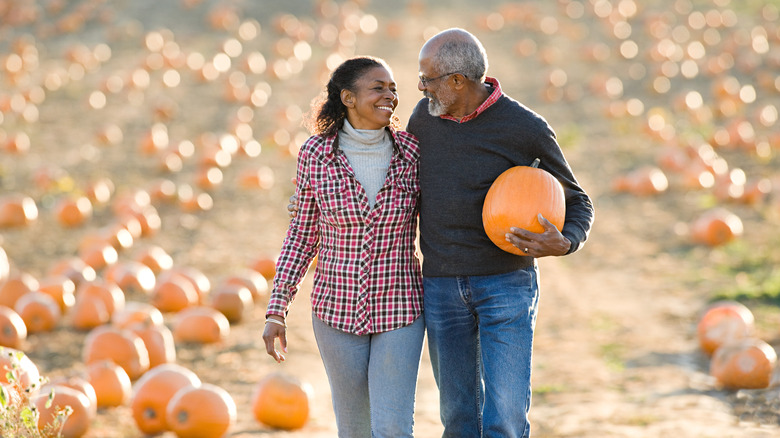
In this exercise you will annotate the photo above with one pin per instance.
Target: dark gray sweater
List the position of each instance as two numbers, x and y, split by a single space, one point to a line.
459 162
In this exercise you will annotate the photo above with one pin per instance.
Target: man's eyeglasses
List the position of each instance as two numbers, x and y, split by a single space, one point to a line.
425 81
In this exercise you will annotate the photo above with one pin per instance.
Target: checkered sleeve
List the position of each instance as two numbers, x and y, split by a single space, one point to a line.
301 243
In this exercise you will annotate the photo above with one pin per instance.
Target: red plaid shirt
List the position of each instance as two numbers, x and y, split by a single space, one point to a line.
367 277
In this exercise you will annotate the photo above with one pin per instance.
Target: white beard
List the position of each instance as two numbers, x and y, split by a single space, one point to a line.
438 107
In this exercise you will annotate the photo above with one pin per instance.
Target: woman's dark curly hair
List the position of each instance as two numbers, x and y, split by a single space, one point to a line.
328 112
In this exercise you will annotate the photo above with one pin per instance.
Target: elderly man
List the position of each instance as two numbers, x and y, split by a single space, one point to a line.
481 302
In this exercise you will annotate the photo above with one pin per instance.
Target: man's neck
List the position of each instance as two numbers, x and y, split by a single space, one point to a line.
476 97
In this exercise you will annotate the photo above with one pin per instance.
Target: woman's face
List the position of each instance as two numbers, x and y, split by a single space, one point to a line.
373 101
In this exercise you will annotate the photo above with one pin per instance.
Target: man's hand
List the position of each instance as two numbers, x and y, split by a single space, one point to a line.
292 207
550 242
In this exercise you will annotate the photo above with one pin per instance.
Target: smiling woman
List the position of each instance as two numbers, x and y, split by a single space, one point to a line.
358 193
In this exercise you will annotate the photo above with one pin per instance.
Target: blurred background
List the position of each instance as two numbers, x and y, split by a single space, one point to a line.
127 125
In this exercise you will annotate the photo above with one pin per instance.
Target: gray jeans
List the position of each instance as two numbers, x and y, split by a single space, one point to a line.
372 378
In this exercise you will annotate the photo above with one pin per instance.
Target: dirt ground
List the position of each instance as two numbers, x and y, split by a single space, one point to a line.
615 352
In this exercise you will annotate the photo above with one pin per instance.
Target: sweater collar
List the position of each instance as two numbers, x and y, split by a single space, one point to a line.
332 142
368 137
494 95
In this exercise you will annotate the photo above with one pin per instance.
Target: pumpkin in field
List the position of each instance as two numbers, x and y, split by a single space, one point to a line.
722 322
158 339
62 289
121 346
135 312
282 402
16 285
131 276
153 391
111 383
201 411
173 294
75 269
24 370
40 312
200 324
79 383
5 265
17 210
265 265
252 280
52 403
73 211
13 330
109 293
716 227
516 198
10 397
233 300
747 363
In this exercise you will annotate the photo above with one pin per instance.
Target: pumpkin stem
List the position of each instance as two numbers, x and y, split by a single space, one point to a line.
536 162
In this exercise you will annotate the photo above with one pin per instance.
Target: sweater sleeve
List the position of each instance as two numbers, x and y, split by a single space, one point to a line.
579 207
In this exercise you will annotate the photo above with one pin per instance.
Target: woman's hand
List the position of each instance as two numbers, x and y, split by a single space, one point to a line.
275 327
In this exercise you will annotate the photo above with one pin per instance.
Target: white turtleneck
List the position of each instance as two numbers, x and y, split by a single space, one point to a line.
369 152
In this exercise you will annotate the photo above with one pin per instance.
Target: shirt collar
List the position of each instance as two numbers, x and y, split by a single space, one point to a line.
494 95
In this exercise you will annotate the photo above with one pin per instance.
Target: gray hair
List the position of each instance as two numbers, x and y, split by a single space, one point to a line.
467 57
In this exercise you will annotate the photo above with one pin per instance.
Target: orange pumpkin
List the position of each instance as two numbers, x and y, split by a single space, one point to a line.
123 347
131 276
158 340
233 300
153 391
81 384
174 294
75 269
156 258
73 211
111 383
62 289
200 324
252 280
137 311
195 276
13 330
49 405
647 181
722 322
15 286
201 411
88 312
744 364
716 227
265 265
39 311
5 265
110 294
24 370
99 255
282 402
11 398
515 199
17 210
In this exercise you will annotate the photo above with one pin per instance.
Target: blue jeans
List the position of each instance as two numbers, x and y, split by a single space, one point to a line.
372 378
480 337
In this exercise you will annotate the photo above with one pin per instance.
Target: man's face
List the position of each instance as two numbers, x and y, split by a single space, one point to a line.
436 87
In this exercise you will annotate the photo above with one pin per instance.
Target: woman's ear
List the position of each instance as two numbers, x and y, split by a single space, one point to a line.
347 98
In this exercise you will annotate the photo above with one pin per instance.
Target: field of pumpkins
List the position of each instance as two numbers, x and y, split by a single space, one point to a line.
146 156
